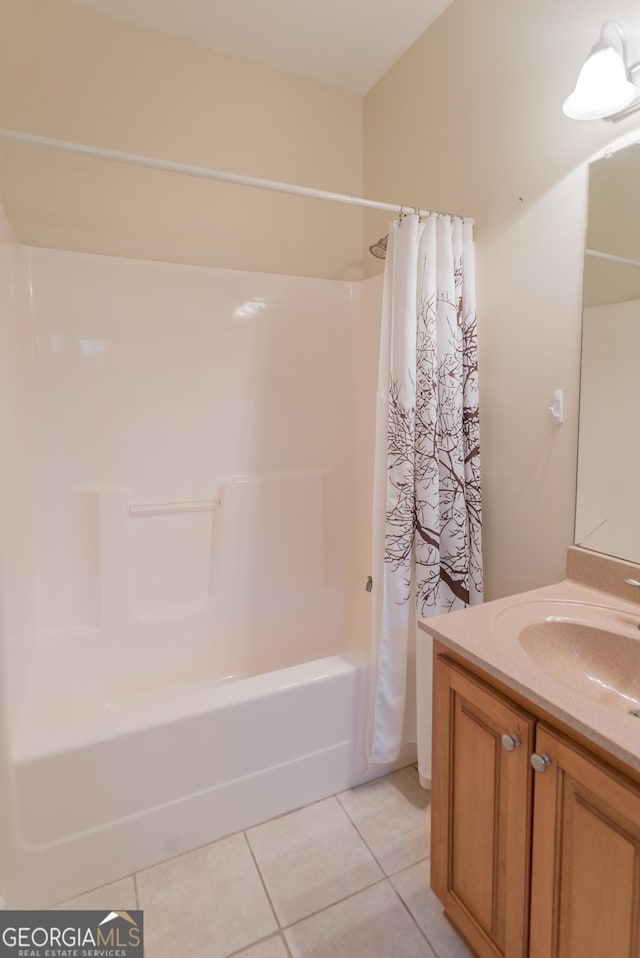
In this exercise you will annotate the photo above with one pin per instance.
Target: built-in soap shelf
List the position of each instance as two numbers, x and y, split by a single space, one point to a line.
147 616
168 508
135 572
160 561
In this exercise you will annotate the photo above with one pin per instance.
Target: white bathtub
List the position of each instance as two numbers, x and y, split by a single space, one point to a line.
132 786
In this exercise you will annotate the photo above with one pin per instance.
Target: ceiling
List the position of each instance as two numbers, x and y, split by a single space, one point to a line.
346 43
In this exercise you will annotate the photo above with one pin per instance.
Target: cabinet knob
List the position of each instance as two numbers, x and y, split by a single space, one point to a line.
510 742
540 762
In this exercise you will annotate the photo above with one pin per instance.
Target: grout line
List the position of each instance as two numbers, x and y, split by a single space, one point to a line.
258 941
380 881
264 884
286 945
89 891
339 901
135 888
405 868
346 811
363 839
292 811
413 919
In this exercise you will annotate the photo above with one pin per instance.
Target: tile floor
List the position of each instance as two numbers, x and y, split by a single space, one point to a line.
346 877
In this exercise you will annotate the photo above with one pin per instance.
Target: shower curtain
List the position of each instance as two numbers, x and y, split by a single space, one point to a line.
427 508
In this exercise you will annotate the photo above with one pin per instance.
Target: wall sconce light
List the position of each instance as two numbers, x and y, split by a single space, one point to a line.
604 89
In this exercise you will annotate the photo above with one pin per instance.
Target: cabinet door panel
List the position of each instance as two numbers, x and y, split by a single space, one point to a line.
474 853
586 857
481 812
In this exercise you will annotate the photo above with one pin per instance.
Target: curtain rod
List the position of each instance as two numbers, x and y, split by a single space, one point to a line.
168 166
614 259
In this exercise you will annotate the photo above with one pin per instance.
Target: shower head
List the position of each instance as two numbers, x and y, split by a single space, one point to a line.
379 249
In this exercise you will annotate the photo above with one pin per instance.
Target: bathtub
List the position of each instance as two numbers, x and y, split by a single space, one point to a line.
133 785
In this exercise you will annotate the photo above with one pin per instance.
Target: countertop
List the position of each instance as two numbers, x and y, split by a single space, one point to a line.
487 636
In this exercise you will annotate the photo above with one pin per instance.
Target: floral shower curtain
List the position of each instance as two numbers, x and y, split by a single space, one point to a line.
427 505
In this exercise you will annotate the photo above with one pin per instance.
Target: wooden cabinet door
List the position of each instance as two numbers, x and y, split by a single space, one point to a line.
585 895
481 812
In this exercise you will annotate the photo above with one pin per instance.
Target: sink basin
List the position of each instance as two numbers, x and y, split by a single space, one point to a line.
603 665
590 648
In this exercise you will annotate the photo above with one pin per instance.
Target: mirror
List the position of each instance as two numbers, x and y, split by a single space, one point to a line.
608 493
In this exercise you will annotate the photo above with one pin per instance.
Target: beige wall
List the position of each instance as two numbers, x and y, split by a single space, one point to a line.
72 74
470 121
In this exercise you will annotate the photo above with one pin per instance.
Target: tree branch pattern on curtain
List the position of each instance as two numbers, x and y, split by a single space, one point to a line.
435 511
431 531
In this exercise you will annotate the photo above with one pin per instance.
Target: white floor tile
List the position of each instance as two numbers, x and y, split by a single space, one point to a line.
413 887
310 859
393 815
371 924
118 896
206 904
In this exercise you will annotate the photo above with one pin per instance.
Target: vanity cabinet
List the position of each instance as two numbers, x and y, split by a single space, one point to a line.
585 889
528 865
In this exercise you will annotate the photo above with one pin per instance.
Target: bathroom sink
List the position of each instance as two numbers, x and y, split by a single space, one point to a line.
603 665
590 648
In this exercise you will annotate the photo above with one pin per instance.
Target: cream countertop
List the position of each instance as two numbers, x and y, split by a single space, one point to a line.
487 636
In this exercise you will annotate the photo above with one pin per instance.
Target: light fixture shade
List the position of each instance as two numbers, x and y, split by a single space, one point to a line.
603 86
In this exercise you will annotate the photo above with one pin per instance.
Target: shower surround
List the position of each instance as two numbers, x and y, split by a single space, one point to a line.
185 625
